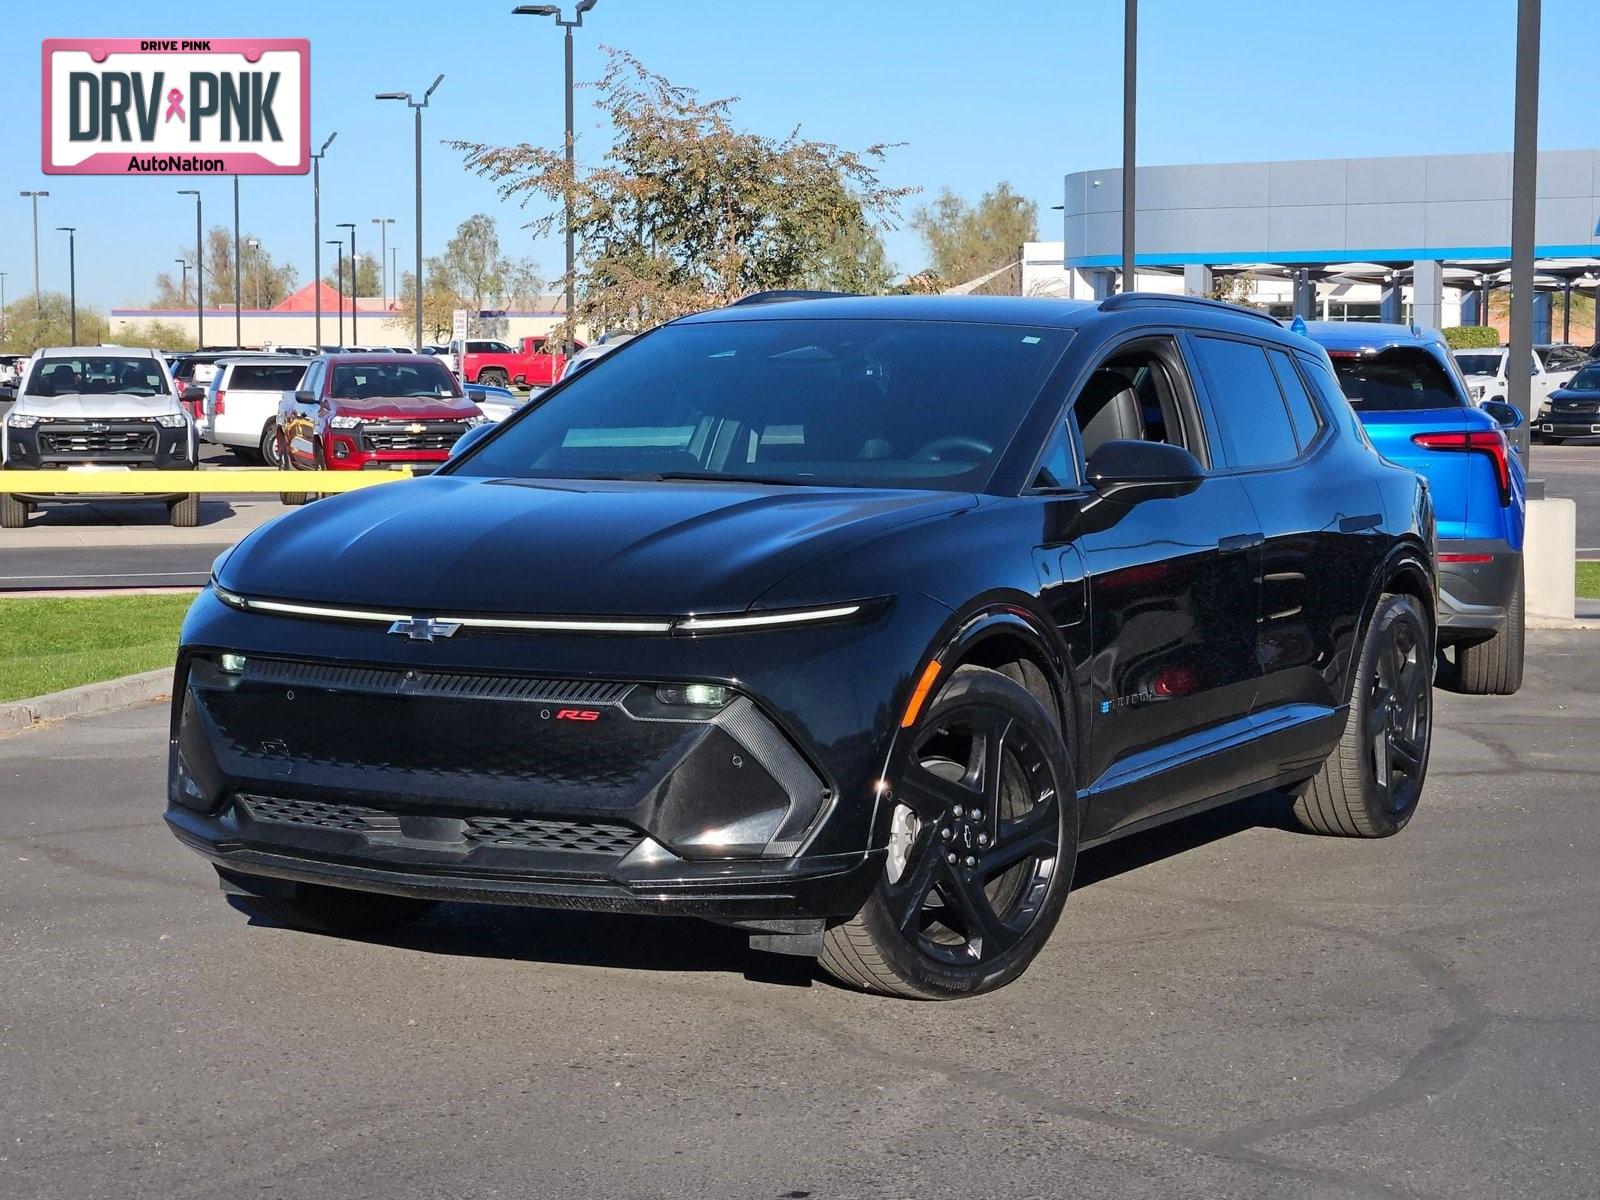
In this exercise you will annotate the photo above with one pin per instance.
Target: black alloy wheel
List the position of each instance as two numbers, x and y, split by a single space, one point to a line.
982 844
1399 716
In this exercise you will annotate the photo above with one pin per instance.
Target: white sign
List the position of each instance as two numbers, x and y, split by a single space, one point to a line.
458 325
160 106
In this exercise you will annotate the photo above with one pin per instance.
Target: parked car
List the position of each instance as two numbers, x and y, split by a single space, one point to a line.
845 622
1485 372
1415 409
495 403
1573 410
357 412
192 372
91 407
533 362
242 402
595 350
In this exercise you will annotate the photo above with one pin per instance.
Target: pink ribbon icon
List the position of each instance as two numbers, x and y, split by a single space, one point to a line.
174 106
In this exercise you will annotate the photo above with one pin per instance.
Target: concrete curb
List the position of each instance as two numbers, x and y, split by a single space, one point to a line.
1562 623
88 700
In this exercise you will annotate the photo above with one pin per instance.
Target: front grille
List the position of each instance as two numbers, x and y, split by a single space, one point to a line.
452 684
516 833
81 439
563 836
413 435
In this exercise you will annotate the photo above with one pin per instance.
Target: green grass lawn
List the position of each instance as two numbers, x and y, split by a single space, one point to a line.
48 644
1589 579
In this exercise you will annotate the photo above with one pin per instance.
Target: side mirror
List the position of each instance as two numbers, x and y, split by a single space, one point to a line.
304 397
1505 415
1130 472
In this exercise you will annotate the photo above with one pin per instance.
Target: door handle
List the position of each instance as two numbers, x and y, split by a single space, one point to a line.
1240 541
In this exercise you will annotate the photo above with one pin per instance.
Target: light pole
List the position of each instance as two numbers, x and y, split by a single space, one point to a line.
383 224
183 279
554 10
339 242
1524 189
255 257
238 273
355 278
38 304
72 275
316 230
199 273
417 106
1130 103
394 271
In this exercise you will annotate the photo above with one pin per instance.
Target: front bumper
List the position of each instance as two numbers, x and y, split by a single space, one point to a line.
142 445
376 447
1477 580
1569 424
502 789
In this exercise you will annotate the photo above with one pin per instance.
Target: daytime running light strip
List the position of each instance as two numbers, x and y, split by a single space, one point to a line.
549 624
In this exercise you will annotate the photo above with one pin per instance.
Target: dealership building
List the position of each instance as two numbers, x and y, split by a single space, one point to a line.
1424 238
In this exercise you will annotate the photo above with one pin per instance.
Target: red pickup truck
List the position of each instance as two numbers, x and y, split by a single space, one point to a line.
529 364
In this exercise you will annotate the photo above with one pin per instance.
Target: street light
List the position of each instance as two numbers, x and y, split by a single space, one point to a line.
383 224
1130 103
72 275
183 284
417 106
255 254
316 229
554 10
38 304
238 273
199 273
355 278
339 242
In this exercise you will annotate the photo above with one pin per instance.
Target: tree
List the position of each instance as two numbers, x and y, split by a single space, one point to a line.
264 278
966 241
26 331
473 274
685 211
369 276
162 335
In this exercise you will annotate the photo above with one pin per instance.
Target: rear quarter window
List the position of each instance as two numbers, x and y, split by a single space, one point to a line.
277 378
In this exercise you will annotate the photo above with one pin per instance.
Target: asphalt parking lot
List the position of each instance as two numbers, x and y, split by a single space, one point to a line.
1230 1008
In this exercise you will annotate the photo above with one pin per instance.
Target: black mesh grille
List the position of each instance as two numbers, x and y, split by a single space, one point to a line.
438 683
569 836
415 435
83 440
317 815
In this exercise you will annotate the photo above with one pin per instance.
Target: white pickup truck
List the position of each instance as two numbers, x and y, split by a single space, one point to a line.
108 408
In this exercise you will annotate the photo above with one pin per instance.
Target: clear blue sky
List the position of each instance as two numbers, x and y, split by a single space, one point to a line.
978 92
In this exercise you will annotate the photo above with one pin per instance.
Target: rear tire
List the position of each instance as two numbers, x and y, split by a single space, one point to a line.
979 863
318 909
268 448
13 511
494 377
184 512
1369 785
1494 667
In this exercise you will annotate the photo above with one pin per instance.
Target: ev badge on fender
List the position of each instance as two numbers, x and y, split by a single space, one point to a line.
425 629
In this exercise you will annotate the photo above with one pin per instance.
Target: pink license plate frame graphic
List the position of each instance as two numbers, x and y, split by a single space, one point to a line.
231 162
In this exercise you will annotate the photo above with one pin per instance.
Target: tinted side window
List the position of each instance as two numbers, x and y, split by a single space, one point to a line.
1249 409
1301 410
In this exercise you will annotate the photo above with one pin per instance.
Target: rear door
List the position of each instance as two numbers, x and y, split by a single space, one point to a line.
1399 394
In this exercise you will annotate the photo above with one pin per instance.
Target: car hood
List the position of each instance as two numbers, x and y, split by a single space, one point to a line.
96 406
1587 395
406 408
451 544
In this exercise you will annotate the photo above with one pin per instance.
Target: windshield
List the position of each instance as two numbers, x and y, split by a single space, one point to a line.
97 375
360 381
1395 380
1587 379
1561 358
268 377
1478 364
915 404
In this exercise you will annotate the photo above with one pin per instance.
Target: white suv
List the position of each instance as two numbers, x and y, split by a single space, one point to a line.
241 405
109 408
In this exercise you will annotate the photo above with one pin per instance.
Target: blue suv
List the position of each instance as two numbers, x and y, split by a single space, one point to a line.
1411 399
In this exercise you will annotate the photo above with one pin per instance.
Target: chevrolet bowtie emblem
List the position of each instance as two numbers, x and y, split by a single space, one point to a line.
416 428
424 629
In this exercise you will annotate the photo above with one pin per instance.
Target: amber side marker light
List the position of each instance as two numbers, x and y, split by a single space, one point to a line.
920 696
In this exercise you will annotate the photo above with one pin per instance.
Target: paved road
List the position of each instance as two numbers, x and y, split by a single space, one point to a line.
1572 470
1229 1009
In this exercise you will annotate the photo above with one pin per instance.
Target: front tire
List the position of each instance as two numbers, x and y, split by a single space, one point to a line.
1494 667
1369 785
13 511
983 842
184 512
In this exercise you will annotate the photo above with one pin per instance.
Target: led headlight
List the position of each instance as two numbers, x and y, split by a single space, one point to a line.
172 420
22 420
345 422
701 695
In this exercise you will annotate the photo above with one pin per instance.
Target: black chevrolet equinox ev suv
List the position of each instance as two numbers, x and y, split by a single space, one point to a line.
844 621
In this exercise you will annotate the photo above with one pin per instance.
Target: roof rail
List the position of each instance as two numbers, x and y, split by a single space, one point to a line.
781 294
1124 300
